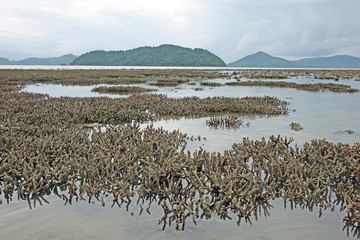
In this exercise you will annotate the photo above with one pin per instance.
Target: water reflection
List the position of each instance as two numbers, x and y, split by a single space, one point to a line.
56 90
91 221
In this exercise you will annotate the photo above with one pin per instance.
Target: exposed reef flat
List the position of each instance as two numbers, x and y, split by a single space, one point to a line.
315 87
169 82
123 90
56 146
211 84
321 74
94 77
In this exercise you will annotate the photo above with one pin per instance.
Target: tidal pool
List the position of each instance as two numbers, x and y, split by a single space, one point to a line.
321 114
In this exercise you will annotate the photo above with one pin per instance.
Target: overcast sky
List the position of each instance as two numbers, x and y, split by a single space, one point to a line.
231 29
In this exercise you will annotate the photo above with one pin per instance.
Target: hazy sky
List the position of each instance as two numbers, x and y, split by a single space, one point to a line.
231 29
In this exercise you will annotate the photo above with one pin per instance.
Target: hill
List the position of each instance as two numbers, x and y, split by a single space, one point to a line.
338 61
63 60
163 55
4 61
261 59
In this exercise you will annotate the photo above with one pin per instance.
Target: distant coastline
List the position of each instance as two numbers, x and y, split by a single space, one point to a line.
176 56
84 67
262 59
62 60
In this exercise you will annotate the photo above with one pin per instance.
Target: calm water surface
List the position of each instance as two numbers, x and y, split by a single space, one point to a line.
321 114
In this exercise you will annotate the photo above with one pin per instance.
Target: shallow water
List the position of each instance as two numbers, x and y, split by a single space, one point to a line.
91 221
321 114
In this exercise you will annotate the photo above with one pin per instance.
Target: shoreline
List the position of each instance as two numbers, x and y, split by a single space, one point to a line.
91 67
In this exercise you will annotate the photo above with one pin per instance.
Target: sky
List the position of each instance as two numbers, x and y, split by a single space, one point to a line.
231 29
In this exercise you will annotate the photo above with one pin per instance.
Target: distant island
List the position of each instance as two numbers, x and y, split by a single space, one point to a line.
262 59
163 55
63 60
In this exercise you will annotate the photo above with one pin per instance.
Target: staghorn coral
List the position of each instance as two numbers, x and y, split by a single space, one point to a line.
121 90
45 149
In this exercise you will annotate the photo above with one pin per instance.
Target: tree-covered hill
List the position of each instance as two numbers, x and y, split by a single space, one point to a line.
163 55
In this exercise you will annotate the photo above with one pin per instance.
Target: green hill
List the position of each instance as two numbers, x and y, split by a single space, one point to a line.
261 59
163 55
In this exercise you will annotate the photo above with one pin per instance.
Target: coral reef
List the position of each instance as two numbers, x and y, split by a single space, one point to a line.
94 149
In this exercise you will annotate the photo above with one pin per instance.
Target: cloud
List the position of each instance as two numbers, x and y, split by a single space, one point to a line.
229 28
249 38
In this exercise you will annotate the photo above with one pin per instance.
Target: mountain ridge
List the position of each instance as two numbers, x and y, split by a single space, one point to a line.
197 56
341 61
262 59
62 60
